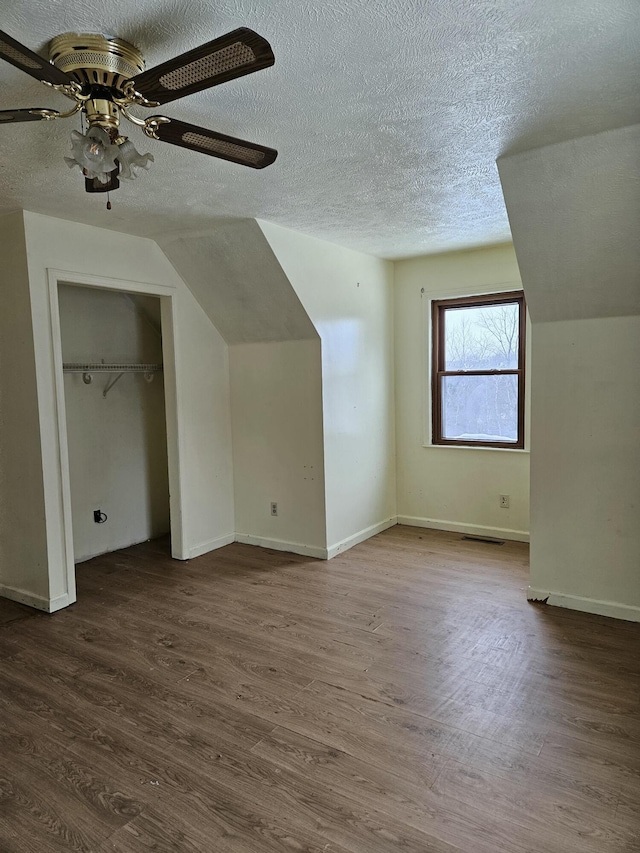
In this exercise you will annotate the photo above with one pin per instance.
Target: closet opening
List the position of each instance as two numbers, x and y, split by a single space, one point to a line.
116 418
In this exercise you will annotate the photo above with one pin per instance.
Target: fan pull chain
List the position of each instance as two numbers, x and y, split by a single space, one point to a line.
108 201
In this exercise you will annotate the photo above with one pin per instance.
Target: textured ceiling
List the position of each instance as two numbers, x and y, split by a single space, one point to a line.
388 114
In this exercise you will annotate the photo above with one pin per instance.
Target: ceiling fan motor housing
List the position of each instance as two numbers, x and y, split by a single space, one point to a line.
100 64
95 60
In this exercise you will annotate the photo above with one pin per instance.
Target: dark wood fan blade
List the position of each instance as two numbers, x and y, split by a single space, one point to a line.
234 55
216 144
35 114
26 60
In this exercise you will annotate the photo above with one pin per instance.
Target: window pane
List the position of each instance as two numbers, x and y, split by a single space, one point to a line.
480 408
481 338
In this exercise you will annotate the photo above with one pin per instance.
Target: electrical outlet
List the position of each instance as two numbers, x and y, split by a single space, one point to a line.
274 508
504 501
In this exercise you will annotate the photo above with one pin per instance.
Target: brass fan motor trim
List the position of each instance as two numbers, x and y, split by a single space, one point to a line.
96 60
98 63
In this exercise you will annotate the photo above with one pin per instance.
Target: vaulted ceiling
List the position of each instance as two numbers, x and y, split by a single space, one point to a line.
388 114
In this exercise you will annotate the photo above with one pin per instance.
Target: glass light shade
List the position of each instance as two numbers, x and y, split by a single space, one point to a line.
131 161
94 153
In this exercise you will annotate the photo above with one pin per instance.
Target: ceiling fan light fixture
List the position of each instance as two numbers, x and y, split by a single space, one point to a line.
105 78
94 153
131 161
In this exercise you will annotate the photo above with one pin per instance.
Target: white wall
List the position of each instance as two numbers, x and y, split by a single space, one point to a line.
203 413
276 404
118 443
23 543
585 473
276 381
349 298
574 210
449 487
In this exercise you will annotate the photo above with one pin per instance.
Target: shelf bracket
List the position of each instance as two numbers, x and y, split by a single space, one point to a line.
110 384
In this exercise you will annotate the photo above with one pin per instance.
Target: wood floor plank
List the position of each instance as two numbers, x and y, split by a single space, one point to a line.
251 779
41 817
10 611
39 754
615 764
537 808
192 832
142 704
403 696
431 810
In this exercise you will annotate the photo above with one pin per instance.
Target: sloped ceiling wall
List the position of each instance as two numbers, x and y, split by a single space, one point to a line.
235 276
574 210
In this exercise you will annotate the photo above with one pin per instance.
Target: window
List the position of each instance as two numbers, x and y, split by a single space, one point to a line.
478 371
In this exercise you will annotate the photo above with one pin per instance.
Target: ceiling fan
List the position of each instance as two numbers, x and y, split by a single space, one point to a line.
105 78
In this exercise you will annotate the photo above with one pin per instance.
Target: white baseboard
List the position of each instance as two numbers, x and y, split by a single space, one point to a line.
468 529
361 536
211 545
39 602
586 605
281 545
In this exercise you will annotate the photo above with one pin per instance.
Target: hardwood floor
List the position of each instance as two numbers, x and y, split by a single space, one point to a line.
402 697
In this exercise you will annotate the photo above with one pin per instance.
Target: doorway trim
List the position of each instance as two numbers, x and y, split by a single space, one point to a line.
58 509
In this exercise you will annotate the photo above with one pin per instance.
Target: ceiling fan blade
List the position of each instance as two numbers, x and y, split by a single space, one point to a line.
26 60
34 114
234 55
215 144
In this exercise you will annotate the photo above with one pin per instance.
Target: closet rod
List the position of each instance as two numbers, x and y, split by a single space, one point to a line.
98 367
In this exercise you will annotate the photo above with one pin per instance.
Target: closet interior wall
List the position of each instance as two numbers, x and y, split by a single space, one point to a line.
117 441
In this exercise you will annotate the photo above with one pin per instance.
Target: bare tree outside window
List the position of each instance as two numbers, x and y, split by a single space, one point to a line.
478 371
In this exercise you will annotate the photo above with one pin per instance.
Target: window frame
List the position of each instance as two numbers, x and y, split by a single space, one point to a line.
438 308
